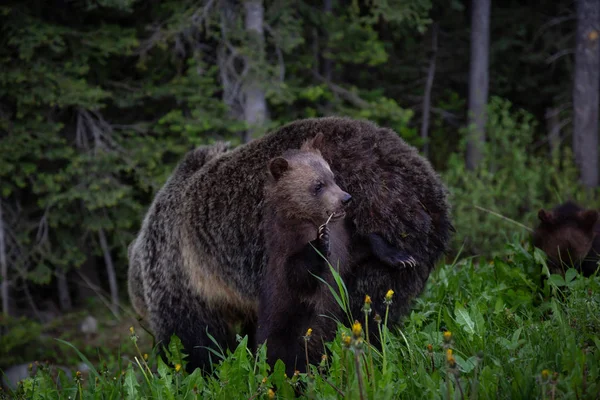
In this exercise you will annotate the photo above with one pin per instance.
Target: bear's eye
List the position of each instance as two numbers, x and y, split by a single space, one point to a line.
318 187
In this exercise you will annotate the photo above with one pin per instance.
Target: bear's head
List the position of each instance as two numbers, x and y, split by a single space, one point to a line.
301 185
565 234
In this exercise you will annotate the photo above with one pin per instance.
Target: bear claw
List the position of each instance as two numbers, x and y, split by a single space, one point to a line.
389 254
323 235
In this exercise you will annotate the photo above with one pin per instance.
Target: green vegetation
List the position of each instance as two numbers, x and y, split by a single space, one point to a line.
99 99
486 330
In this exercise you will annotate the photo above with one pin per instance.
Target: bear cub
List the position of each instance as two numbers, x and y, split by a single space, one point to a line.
568 234
304 216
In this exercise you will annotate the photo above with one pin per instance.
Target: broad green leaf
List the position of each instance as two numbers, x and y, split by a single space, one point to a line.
464 319
131 384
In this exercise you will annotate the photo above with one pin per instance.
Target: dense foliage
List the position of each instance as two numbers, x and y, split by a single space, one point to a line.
481 330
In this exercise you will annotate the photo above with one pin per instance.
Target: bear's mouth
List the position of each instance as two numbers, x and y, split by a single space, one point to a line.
337 215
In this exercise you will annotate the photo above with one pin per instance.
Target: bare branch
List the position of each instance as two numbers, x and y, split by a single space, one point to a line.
200 16
343 93
552 22
98 292
559 54
31 302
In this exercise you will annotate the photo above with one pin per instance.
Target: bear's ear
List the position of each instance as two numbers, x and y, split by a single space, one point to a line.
278 166
546 216
588 219
315 143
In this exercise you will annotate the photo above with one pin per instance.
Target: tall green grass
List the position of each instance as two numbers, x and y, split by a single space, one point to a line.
481 330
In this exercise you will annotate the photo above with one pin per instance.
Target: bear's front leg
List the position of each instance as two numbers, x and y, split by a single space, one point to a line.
388 253
309 261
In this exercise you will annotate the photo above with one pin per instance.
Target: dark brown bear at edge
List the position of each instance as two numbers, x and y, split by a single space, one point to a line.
570 236
204 265
303 225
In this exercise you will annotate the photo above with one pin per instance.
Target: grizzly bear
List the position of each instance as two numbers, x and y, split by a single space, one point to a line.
569 235
163 202
304 230
204 259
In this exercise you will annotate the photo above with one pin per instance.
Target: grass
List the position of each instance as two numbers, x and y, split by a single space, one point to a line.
481 330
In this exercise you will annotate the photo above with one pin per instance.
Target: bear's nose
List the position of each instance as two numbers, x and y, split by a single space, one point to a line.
346 199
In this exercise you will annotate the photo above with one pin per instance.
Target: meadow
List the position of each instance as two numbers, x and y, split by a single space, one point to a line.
483 329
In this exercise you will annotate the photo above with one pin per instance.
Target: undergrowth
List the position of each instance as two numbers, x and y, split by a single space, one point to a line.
489 330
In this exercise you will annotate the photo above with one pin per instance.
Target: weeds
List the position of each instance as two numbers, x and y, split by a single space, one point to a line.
484 330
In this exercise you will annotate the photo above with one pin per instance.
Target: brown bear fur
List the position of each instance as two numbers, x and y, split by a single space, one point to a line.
300 238
204 258
569 235
161 208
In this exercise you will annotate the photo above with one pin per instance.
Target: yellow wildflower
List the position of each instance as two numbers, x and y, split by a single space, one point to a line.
131 330
450 358
271 394
367 299
177 367
545 374
389 294
448 354
447 336
346 340
356 329
308 332
145 357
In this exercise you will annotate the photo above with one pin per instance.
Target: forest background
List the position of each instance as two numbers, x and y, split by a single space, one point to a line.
99 99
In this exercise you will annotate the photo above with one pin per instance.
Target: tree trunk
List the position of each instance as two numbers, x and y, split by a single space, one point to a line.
478 81
64 297
3 267
428 88
585 91
110 271
553 126
255 103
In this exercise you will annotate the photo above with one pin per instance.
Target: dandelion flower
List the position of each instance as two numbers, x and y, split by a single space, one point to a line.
545 374
448 354
450 357
389 294
447 336
308 332
356 329
177 367
367 299
271 394
346 340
